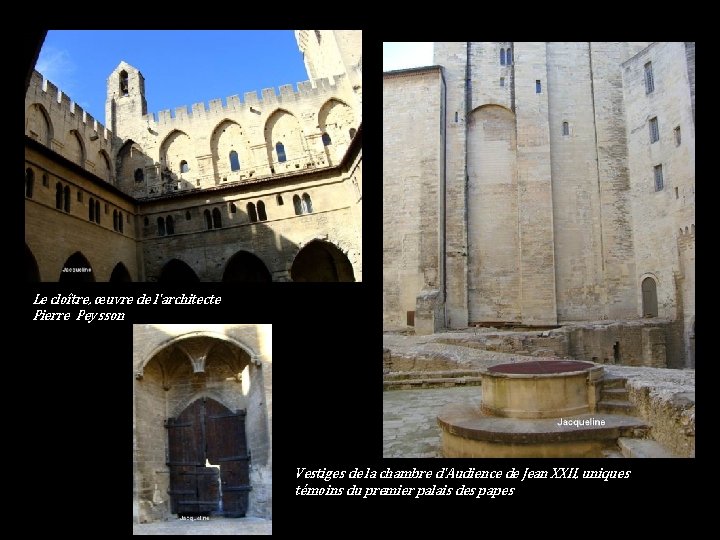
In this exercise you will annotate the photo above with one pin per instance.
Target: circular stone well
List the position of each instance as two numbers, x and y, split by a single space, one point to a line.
538 389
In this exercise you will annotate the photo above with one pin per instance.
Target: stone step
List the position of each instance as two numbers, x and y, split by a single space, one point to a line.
614 394
612 453
442 382
643 448
613 382
615 407
451 373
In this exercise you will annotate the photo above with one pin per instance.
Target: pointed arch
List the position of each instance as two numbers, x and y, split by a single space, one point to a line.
32 272
38 124
103 169
246 267
176 148
177 271
120 274
335 119
283 128
75 147
321 261
229 146
129 159
77 269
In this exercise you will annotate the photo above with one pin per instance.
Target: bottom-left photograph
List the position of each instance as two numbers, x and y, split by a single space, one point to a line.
202 428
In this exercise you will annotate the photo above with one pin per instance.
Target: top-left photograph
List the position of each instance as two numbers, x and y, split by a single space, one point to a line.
250 171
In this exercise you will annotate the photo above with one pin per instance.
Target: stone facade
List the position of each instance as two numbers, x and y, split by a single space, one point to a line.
262 189
550 209
173 366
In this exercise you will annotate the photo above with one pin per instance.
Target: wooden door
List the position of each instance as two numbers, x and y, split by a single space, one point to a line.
206 431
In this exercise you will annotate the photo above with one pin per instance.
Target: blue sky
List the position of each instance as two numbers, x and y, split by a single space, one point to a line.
402 55
180 67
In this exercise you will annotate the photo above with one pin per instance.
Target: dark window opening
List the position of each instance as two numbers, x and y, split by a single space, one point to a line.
353 131
208 219
124 86
502 82
566 128
139 175
233 208
279 200
58 196
297 204
509 56
678 139
538 87
658 172
654 130
120 221
91 209
184 166
29 180
280 150
252 214
146 221
66 193
502 57
161 226
326 139
46 182
234 161
262 216
79 196
97 212
649 79
115 220
677 195
170 225
616 352
318 36
217 219
187 215
306 204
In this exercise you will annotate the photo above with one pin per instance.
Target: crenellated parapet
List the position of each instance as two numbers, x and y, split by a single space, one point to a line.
55 120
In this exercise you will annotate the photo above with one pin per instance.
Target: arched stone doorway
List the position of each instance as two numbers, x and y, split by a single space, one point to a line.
246 267
120 274
201 437
649 298
77 269
32 272
321 261
177 271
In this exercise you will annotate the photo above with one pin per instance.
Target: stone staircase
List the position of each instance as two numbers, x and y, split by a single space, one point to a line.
614 397
406 380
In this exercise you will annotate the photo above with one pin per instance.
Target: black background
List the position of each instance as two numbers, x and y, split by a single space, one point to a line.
69 397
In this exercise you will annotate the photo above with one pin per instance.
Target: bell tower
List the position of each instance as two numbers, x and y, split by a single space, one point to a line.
126 103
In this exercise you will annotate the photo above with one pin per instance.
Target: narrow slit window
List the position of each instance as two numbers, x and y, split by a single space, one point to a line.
66 193
97 212
649 79
91 209
208 219
678 139
280 150
29 181
509 56
502 81
234 161
115 223
654 130
566 128
538 86
658 173
120 221
502 56
58 196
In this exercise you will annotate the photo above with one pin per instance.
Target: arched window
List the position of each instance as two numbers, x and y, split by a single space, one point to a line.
58 196
234 161
66 196
566 128
278 200
649 298
353 131
97 212
233 208
184 166
280 149
187 215
502 57
124 83
208 219
115 224
120 221
139 175
262 216
91 209
297 204
217 219
509 60
161 226
326 139
29 179
252 214
170 225
306 203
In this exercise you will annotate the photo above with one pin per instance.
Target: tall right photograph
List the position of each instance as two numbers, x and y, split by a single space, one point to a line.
539 249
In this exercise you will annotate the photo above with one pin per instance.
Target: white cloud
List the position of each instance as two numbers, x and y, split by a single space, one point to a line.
57 67
397 55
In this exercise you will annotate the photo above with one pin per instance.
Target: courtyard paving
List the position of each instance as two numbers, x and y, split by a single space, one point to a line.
216 525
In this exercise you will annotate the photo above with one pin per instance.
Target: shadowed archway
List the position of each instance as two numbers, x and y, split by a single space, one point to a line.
32 273
176 271
246 267
77 269
120 274
321 261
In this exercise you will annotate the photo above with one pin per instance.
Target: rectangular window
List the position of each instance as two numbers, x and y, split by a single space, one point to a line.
566 128
677 136
502 81
538 88
654 131
649 81
658 177
677 196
